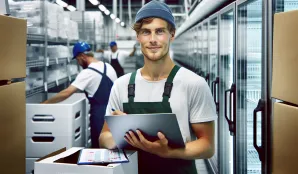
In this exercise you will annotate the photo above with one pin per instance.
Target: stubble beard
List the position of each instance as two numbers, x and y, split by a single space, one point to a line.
146 56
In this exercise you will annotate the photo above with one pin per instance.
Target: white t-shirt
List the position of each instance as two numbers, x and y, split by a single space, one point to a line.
89 80
191 99
122 55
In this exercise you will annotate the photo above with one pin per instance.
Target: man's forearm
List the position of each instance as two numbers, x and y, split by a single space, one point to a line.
198 149
57 98
106 140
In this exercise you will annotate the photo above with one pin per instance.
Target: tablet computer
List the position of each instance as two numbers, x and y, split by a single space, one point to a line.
148 124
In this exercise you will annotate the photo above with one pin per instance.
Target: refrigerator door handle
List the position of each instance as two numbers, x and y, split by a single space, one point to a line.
212 88
230 122
207 78
216 82
260 108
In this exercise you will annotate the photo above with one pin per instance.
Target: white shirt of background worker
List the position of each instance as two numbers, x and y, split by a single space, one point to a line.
87 80
122 55
96 80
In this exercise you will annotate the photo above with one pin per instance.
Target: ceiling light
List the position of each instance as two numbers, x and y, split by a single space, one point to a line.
94 2
102 7
61 3
122 24
71 8
107 12
117 20
112 16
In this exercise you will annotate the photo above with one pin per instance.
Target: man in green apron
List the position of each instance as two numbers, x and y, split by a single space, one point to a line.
163 87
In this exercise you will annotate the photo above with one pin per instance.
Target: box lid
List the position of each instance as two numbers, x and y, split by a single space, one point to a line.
285 57
13 34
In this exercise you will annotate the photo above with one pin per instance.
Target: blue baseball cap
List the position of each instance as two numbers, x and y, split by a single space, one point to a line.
113 43
156 9
80 47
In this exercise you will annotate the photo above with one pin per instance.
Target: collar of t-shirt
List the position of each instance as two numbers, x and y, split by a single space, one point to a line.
94 65
114 55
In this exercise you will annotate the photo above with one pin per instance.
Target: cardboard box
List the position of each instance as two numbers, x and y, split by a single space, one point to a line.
285 57
285 139
13 47
64 161
13 128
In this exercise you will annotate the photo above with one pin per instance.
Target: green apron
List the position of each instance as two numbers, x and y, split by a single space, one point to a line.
147 162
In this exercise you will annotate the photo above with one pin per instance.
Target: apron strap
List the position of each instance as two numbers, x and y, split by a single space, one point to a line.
131 87
167 89
104 68
169 84
97 70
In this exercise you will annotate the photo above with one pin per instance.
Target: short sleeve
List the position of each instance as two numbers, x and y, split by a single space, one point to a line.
83 80
114 100
202 106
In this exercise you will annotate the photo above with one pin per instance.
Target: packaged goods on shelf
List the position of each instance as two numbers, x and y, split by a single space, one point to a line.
34 11
73 30
56 74
92 20
58 51
35 52
72 69
63 20
35 79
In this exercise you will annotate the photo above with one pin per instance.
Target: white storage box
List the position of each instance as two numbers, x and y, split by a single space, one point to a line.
89 143
30 165
50 127
60 162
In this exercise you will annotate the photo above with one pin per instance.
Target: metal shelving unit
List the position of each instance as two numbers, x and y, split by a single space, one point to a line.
49 61
50 85
41 39
44 62
45 41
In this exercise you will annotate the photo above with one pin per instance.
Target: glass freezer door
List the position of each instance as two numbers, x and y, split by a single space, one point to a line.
205 62
226 83
250 81
200 52
213 78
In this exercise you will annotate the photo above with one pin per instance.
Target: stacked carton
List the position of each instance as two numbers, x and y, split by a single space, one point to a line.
284 87
12 100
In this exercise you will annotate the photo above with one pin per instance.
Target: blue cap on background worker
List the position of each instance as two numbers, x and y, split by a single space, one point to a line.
80 47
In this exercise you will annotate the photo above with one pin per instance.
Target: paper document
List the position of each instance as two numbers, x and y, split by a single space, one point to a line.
101 156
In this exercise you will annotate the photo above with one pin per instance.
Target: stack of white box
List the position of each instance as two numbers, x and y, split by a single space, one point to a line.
88 127
35 52
58 51
93 24
57 21
63 19
50 127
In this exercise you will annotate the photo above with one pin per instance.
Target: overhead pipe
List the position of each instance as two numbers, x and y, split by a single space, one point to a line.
203 9
129 12
120 9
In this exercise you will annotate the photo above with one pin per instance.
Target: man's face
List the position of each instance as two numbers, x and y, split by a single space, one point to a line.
82 61
114 48
155 39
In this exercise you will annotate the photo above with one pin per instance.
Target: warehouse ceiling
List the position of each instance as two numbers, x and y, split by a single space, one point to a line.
135 4
177 7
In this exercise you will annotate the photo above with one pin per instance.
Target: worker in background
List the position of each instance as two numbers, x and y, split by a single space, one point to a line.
160 86
116 57
96 80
